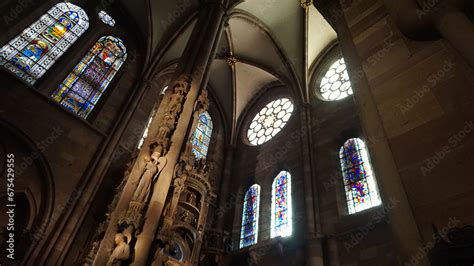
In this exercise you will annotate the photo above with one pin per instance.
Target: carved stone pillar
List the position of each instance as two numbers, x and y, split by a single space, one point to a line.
201 48
158 166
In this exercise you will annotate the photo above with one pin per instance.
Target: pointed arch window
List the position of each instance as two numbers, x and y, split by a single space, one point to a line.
202 136
359 179
30 54
82 89
249 229
281 220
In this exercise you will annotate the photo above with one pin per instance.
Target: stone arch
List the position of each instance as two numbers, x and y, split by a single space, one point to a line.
34 186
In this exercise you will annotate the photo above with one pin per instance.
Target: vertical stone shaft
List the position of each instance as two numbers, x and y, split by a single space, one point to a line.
197 56
404 229
224 188
456 27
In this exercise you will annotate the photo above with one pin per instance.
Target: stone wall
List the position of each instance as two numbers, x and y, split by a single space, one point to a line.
70 145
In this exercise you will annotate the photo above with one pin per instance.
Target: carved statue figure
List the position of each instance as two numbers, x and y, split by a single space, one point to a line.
152 168
178 185
181 86
121 251
166 127
192 198
161 255
202 103
176 104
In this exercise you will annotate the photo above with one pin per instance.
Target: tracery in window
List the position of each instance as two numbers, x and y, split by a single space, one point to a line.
36 49
82 89
335 84
202 136
106 18
281 220
249 229
359 180
269 121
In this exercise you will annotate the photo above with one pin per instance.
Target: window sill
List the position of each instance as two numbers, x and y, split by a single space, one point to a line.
350 223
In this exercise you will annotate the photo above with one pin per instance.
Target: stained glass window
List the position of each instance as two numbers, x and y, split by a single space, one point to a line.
281 220
359 180
82 89
202 136
335 85
269 121
106 18
164 90
145 131
249 229
30 54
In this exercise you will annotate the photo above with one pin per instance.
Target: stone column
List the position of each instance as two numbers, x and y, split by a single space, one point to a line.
198 54
222 209
405 233
314 251
418 18
456 27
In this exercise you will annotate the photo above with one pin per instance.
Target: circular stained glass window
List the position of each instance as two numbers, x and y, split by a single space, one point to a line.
269 121
106 18
335 84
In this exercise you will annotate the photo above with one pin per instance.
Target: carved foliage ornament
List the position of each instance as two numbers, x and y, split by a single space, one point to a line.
306 3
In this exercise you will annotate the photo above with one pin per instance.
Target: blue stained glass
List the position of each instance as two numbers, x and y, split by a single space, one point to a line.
202 136
35 50
82 89
359 180
281 215
249 229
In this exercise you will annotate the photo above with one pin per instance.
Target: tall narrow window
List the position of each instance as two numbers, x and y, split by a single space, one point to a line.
249 229
281 224
82 89
359 180
147 127
30 54
202 136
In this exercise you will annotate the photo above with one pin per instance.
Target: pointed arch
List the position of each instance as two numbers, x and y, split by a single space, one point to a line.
281 214
249 229
30 54
359 179
202 135
84 86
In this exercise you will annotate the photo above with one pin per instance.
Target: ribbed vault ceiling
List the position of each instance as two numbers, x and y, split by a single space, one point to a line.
266 37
